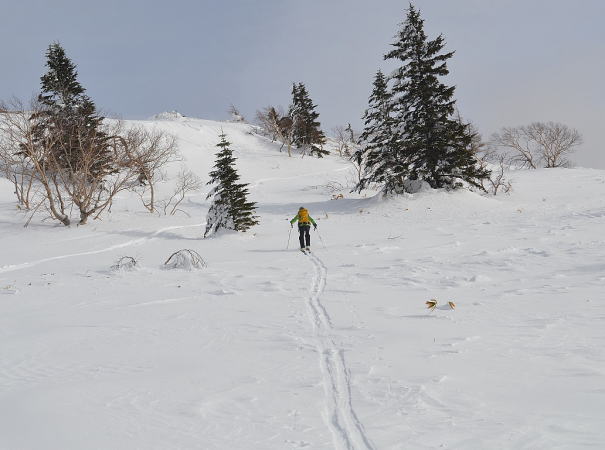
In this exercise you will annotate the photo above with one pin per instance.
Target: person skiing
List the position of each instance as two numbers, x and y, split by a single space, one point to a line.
304 226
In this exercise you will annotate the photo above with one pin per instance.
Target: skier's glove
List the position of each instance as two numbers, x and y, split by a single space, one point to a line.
315 227
291 226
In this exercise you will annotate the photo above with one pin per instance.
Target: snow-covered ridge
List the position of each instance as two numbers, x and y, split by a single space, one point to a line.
268 348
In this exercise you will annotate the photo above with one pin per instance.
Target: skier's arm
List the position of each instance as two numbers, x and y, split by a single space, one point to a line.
294 220
312 221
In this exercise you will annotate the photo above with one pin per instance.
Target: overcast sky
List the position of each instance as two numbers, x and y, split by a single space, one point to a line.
516 61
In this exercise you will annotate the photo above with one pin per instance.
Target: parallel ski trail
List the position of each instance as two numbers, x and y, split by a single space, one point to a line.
347 430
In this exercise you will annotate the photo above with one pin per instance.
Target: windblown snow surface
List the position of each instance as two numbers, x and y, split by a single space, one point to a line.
268 348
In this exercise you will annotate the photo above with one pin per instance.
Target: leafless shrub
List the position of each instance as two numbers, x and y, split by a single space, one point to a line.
497 163
125 263
185 259
538 144
187 182
150 151
333 186
489 159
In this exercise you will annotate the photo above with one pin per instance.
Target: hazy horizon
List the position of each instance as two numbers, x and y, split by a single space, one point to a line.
515 62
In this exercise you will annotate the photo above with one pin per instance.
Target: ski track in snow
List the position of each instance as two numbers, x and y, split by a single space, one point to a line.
14 267
347 430
305 175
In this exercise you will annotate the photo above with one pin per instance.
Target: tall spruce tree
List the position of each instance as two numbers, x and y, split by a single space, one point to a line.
230 208
307 129
378 153
432 145
68 124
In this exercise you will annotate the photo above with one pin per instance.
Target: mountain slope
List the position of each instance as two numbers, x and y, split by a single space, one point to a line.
268 348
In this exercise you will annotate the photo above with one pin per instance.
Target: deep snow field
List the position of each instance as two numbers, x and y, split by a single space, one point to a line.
267 348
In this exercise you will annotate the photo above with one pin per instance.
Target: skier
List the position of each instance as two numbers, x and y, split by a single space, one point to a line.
304 226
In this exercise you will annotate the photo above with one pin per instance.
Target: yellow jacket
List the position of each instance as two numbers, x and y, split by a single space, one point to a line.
303 218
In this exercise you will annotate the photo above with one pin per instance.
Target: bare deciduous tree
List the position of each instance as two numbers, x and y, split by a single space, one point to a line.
277 125
497 163
346 140
340 135
538 144
150 151
236 116
90 192
491 160
268 119
14 165
32 162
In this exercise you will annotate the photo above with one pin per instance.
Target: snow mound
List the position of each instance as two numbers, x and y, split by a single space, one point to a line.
185 259
125 264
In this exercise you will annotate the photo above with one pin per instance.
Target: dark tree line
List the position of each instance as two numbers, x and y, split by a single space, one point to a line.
298 128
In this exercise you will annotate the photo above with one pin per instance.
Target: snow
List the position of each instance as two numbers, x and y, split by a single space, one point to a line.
268 348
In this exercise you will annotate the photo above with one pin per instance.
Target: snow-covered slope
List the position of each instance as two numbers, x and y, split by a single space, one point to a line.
267 348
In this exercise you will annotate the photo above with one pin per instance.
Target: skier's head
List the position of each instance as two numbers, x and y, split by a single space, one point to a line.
301 208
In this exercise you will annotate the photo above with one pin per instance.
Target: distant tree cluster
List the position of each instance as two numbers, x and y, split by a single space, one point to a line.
61 155
298 128
411 128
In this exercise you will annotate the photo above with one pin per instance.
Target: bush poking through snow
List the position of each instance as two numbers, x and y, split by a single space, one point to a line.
185 259
433 304
125 263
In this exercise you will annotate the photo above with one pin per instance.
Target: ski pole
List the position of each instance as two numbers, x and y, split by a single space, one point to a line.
289 234
320 239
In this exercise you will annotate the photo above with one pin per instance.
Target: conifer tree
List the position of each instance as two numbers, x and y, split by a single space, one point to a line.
69 122
307 129
432 145
377 153
230 208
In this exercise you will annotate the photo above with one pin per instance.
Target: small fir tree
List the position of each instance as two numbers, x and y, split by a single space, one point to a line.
377 153
431 144
69 123
307 131
230 208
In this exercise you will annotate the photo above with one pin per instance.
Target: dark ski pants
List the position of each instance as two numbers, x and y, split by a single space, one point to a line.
304 235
